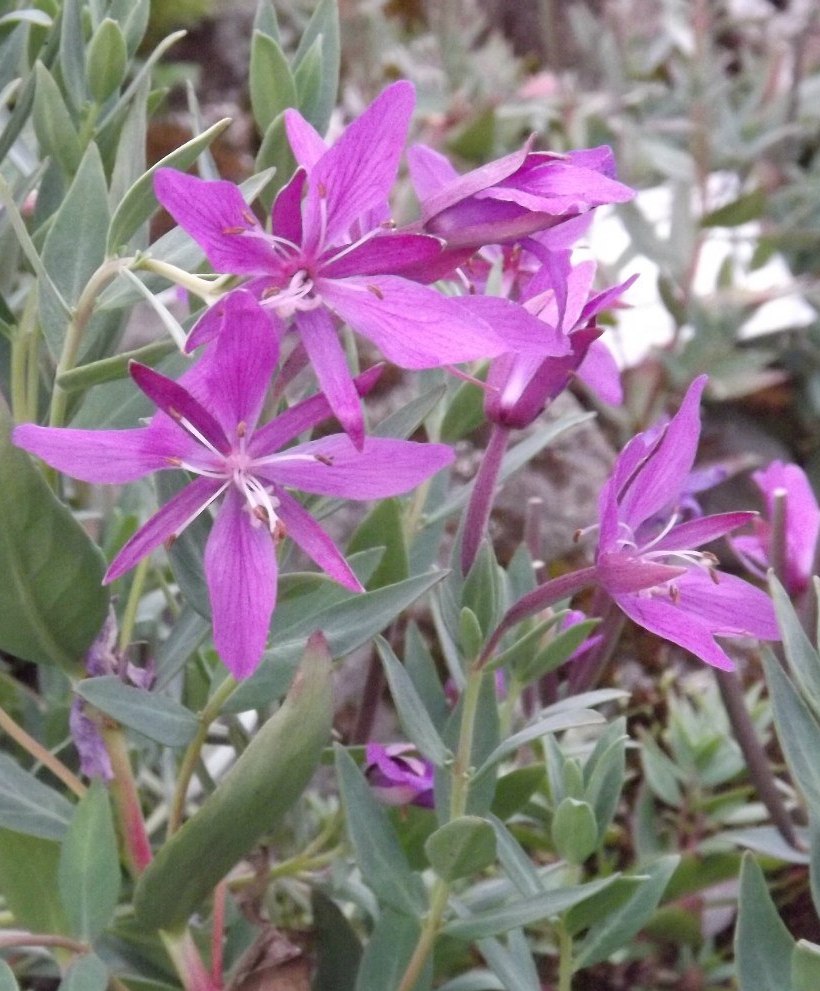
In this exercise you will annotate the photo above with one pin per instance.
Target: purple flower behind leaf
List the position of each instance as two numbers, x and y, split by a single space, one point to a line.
398 775
207 425
323 263
802 526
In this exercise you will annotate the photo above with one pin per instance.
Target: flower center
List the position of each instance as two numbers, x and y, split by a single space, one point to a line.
297 295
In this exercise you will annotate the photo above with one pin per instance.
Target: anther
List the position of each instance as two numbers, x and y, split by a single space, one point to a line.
234 230
169 542
375 290
324 459
241 429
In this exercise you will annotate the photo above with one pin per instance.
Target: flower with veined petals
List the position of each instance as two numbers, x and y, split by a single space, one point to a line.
207 425
802 526
647 559
398 775
310 271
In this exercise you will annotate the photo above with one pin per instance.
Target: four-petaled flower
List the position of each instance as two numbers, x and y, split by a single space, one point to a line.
207 425
647 559
332 254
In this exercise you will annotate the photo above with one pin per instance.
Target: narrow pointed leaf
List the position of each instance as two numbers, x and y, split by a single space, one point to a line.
74 247
413 716
524 912
139 202
264 783
86 973
620 926
156 716
388 952
378 852
797 729
272 87
29 806
763 946
805 966
28 880
346 625
89 870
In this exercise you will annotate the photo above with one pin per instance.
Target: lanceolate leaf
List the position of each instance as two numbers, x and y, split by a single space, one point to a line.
763 946
74 247
89 870
52 604
156 716
29 806
264 783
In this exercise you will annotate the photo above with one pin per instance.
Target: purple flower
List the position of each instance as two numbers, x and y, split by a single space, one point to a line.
332 255
398 776
520 384
802 526
646 559
207 425
512 197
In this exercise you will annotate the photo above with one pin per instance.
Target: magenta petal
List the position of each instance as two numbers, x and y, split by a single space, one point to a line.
620 574
313 540
241 571
430 171
111 457
356 174
305 142
664 472
170 520
600 373
414 326
474 182
517 327
217 217
703 609
383 467
177 403
699 531
383 254
327 357
302 416
287 209
239 364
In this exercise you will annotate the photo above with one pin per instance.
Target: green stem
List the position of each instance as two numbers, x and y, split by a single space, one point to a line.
191 756
564 959
83 312
41 754
459 794
129 616
187 961
135 842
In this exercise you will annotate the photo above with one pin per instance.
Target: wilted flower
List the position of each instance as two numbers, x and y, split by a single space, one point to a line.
398 775
207 426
